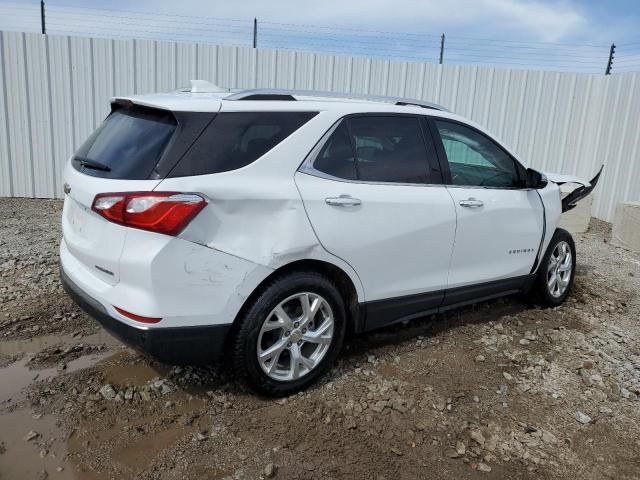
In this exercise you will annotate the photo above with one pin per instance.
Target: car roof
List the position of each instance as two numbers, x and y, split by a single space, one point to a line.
207 97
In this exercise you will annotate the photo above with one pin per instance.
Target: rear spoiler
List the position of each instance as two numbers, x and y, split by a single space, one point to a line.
579 193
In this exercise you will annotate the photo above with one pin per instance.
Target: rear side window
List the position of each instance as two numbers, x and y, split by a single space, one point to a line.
390 149
336 156
127 145
236 139
376 149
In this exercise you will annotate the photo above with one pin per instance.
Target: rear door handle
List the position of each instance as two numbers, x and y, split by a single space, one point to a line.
471 203
343 201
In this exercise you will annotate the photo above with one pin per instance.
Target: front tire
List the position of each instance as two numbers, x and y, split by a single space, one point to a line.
556 272
290 334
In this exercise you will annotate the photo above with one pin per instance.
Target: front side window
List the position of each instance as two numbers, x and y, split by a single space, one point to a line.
235 139
376 149
476 160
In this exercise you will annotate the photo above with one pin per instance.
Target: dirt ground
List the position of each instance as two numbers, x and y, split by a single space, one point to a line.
498 390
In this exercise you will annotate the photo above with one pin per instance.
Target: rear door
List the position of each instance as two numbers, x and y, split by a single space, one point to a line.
118 157
371 190
500 223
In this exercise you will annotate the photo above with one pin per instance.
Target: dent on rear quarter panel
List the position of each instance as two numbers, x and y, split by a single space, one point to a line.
262 221
267 231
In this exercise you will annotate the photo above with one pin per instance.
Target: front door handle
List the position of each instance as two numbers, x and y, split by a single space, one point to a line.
343 201
471 203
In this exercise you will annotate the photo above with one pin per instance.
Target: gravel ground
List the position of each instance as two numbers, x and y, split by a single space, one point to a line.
498 390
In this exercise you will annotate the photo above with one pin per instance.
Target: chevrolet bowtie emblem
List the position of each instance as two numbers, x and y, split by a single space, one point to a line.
66 188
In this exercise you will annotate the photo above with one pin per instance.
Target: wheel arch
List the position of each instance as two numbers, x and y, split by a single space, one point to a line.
343 281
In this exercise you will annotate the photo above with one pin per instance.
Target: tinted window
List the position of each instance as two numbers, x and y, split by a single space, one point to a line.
336 156
127 145
390 149
386 149
474 159
235 139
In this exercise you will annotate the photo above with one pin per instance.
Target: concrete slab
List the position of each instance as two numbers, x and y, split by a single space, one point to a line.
626 226
577 219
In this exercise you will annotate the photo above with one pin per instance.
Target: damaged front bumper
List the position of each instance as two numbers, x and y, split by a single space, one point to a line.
584 189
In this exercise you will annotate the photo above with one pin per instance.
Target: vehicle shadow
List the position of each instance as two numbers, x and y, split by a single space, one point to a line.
357 348
432 325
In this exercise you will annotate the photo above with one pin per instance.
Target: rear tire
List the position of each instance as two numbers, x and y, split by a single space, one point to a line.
556 272
290 334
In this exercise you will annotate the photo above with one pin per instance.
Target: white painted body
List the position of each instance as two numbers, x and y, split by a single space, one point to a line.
399 239
402 240
509 221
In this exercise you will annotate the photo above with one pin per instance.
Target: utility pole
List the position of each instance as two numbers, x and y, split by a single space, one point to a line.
441 48
255 33
612 50
44 28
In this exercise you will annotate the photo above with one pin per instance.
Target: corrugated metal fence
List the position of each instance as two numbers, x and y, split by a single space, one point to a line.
54 91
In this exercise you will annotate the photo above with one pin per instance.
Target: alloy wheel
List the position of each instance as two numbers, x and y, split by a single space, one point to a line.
560 269
295 336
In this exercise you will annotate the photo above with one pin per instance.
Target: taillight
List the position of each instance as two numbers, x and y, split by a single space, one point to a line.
161 212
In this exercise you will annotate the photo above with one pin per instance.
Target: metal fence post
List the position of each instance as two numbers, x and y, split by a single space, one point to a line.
255 32
441 48
610 62
42 21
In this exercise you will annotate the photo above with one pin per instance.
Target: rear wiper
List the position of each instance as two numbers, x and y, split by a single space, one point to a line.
85 162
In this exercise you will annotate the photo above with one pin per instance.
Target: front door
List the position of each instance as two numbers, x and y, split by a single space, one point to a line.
500 223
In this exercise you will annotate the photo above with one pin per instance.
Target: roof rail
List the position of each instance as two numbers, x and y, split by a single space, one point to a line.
290 95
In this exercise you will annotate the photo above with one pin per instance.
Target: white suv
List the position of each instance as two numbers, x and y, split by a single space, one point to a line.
262 226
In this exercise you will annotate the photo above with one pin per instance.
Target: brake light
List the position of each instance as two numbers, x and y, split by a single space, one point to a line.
161 212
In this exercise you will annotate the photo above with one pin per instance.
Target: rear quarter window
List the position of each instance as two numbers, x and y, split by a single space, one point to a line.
127 145
236 139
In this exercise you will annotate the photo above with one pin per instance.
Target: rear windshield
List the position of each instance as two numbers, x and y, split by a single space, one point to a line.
235 139
127 145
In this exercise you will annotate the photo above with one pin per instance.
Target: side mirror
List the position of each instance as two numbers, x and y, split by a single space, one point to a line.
535 179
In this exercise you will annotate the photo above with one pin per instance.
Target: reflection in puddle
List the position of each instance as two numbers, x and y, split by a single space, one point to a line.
118 370
18 375
37 344
26 459
133 444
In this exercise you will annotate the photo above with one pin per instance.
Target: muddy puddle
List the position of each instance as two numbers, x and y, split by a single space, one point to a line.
15 376
31 443
119 370
24 458
37 344
134 445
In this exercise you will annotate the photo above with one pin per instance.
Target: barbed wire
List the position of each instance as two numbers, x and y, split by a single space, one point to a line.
105 22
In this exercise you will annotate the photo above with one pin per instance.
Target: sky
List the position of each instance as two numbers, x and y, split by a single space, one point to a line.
566 35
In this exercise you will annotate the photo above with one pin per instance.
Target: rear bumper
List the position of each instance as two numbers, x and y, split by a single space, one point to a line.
172 345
